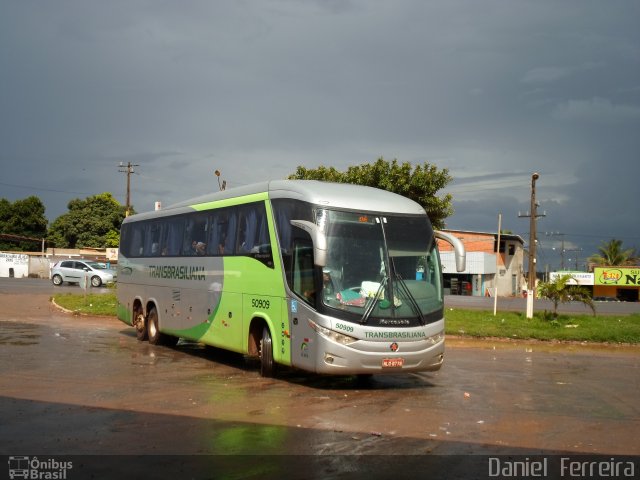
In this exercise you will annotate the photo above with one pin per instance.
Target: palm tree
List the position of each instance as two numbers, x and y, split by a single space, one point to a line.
559 291
611 254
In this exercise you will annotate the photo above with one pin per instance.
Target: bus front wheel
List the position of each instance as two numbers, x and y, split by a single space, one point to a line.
267 366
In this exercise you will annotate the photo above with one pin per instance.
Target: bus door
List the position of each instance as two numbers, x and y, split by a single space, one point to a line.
300 306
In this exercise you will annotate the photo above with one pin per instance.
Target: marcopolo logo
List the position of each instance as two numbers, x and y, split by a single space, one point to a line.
34 468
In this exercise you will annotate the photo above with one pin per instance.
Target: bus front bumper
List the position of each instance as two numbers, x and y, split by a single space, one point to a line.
364 357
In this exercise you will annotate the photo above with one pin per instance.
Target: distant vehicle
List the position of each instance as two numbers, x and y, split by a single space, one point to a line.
74 271
605 299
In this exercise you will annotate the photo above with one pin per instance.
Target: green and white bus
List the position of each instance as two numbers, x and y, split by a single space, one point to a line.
324 277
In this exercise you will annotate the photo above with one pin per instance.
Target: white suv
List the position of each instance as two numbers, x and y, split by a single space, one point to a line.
74 271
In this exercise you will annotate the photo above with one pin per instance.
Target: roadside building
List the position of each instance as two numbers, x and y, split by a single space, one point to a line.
489 265
14 265
38 264
607 283
622 283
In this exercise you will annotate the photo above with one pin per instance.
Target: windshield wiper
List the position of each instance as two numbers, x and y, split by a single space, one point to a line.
371 302
412 300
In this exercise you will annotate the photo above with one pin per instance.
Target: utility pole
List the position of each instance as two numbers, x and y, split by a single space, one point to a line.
128 170
495 293
577 252
562 250
533 214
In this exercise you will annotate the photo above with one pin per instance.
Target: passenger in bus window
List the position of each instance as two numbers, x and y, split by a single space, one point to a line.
201 248
223 240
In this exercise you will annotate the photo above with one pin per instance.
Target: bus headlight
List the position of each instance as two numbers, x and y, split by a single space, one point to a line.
435 339
337 337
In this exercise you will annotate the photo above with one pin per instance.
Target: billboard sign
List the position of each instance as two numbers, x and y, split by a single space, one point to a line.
577 278
618 276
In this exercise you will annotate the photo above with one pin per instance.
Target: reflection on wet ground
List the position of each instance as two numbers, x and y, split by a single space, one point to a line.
170 446
86 385
17 334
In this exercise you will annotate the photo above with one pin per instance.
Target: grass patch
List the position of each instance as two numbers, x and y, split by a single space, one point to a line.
471 323
90 303
515 325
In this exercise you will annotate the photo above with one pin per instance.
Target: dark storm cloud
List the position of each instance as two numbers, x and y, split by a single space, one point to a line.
491 90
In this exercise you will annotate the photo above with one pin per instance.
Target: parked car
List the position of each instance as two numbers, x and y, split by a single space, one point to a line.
74 271
605 299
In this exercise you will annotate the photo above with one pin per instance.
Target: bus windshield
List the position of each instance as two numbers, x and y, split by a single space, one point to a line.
381 270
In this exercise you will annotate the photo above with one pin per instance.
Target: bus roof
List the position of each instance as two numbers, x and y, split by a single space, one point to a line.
326 194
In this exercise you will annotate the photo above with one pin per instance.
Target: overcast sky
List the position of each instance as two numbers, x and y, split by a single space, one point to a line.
490 90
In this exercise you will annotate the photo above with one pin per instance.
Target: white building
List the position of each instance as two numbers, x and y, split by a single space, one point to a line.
14 265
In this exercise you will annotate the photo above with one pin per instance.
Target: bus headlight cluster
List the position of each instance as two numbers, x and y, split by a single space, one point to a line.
435 339
337 337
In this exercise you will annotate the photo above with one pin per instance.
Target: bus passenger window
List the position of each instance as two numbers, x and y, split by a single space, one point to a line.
172 237
137 242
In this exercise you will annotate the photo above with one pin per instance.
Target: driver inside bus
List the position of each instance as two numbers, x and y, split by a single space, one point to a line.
330 283
201 248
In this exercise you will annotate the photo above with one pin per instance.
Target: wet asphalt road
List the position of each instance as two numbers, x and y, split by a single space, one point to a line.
74 385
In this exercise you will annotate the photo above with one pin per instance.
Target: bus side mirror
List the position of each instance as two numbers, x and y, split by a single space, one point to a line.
458 248
318 238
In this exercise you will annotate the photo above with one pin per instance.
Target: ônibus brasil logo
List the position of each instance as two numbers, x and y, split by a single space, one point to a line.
33 468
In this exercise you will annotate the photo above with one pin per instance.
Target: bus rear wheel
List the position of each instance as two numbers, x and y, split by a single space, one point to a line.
267 366
152 327
140 324
155 336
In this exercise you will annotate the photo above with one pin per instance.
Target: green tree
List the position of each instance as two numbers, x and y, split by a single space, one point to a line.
22 218
560 291
420 183
611 254
92 222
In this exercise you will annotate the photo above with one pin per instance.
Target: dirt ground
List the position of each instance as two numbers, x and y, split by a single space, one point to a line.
78 385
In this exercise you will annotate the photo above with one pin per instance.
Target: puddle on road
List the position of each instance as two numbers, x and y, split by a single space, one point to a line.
529 345
19 334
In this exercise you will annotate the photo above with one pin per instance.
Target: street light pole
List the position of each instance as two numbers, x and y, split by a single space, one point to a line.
223 185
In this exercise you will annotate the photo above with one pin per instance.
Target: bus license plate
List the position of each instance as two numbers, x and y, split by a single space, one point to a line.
392 362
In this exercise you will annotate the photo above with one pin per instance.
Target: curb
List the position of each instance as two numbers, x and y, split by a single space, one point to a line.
65 310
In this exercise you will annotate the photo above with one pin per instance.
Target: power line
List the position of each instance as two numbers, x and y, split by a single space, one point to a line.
29 187
458 189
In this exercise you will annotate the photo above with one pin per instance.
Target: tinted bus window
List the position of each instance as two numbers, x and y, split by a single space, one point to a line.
172 234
